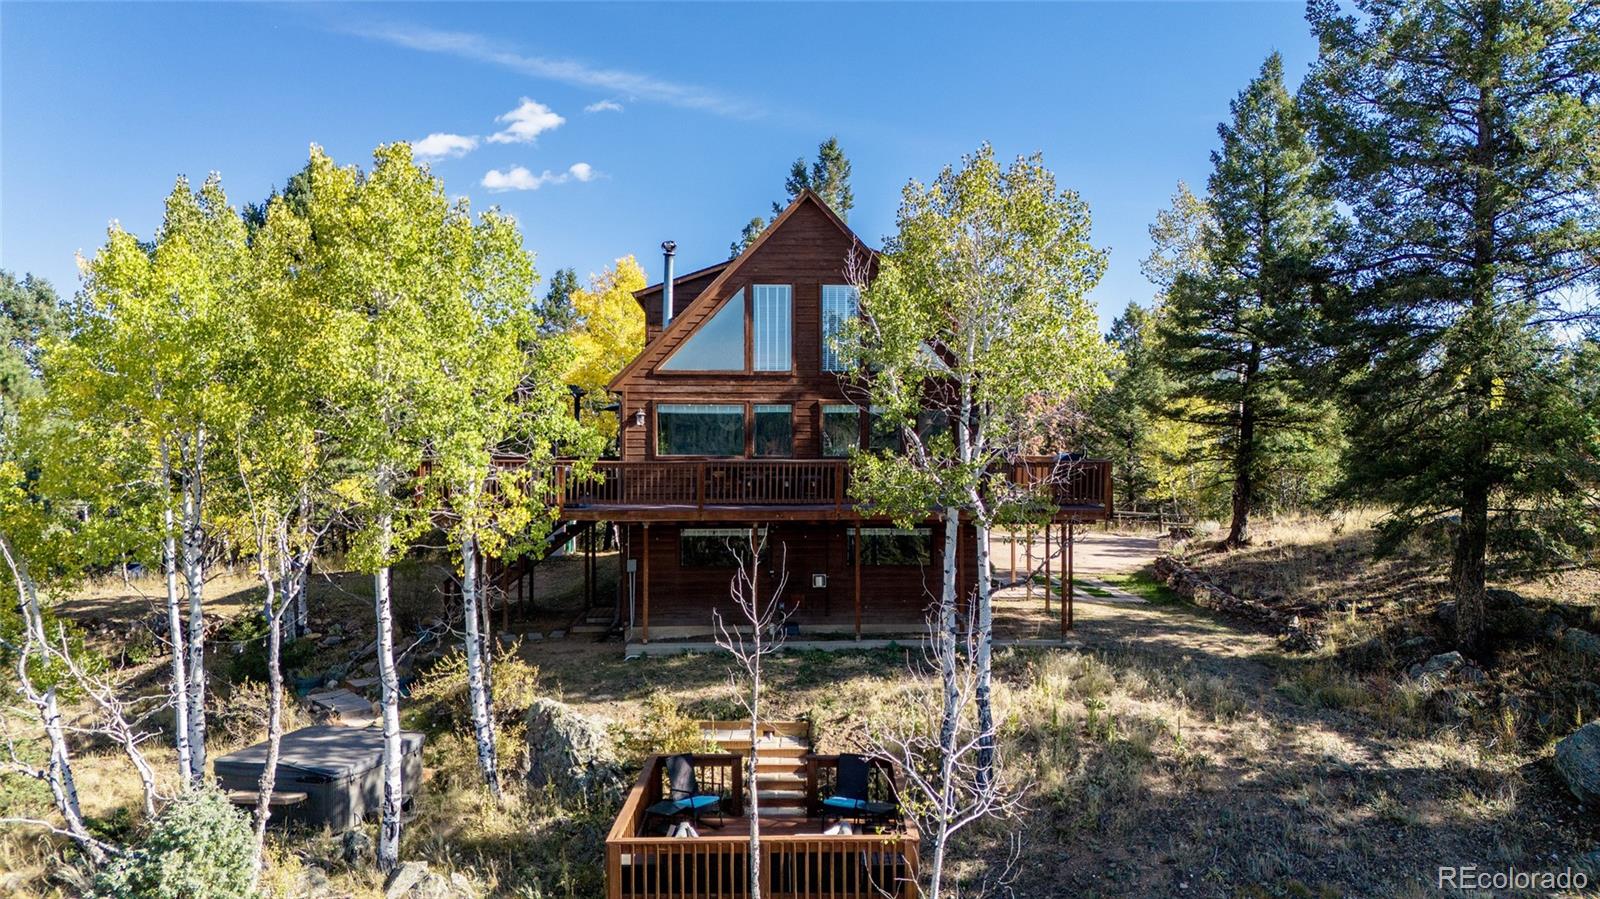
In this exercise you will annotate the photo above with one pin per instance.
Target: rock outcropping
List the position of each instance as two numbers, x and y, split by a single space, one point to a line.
1578 762
569 752
1201 591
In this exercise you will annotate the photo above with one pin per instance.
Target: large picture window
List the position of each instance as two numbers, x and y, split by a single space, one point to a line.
684 429
774 430
718 345
891 546
714 547
841 430
839 305
770 320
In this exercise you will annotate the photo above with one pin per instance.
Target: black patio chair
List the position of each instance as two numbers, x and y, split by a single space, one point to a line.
850 797
684 797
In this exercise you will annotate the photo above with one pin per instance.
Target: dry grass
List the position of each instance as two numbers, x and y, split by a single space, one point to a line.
1175 754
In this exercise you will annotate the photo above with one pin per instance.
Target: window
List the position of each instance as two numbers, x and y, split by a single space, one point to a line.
718 345
770 320
714 547
774 430
891 546
884 434
839 304
841 430
699 430
932 424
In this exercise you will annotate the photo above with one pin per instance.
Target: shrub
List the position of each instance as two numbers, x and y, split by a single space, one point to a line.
443 689
248 635
662 727
198 848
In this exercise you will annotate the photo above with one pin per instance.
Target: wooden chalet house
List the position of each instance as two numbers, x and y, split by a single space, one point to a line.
736 416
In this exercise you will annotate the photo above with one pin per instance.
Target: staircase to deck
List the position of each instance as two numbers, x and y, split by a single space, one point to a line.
781 750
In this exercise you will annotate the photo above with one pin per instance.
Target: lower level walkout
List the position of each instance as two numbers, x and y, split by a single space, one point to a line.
833 578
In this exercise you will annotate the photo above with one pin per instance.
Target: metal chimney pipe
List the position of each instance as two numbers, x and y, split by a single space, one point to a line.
668 249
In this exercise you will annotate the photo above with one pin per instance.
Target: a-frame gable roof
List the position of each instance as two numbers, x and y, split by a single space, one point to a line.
699 311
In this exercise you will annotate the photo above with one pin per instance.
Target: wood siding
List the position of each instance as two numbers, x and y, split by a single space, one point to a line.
684 291
685 597
806 250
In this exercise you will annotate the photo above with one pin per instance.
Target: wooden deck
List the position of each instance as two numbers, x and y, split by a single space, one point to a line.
798 860
790 489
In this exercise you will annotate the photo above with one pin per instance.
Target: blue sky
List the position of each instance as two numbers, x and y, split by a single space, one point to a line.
102 106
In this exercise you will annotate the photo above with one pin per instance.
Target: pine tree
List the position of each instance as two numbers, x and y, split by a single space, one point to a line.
828 177
1121 424
1463 136
1237 318
557 315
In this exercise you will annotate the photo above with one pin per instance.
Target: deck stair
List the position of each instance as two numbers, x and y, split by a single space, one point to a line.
781 748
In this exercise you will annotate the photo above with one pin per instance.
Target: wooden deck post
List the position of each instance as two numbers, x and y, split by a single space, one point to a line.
644 581
1066 611
1047 528
858 578
1011 536
1027 530
588 566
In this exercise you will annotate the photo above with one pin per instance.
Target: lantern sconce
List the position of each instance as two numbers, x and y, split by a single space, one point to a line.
638 417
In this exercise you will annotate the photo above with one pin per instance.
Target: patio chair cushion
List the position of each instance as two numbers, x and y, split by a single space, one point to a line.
860 805
673 806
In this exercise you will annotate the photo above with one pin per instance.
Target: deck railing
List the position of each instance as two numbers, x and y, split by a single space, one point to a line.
793 865
809 483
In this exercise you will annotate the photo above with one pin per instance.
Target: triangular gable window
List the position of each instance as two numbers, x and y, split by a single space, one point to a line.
718 344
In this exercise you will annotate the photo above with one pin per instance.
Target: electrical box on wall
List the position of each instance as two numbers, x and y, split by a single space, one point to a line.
819 582
633 564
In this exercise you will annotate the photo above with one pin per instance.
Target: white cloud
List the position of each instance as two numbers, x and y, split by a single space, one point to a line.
567 71
530 119
604 106
519 178
443 146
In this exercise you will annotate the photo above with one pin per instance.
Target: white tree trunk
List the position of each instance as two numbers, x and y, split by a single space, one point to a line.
180 691
948 629
194 579
477 694
982 696
393 785
269 774
949 639
294 600
63 787
57 773
754 785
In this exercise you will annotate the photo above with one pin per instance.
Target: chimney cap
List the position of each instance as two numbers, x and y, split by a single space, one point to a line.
669 247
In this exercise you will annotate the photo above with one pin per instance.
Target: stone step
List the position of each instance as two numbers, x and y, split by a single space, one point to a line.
589 628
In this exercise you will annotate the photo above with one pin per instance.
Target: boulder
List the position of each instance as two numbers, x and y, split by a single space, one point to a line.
1578 762
313 883
413 880
1552 626
405 876
1580 641
1444 667
1445 614
569 752
355 847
